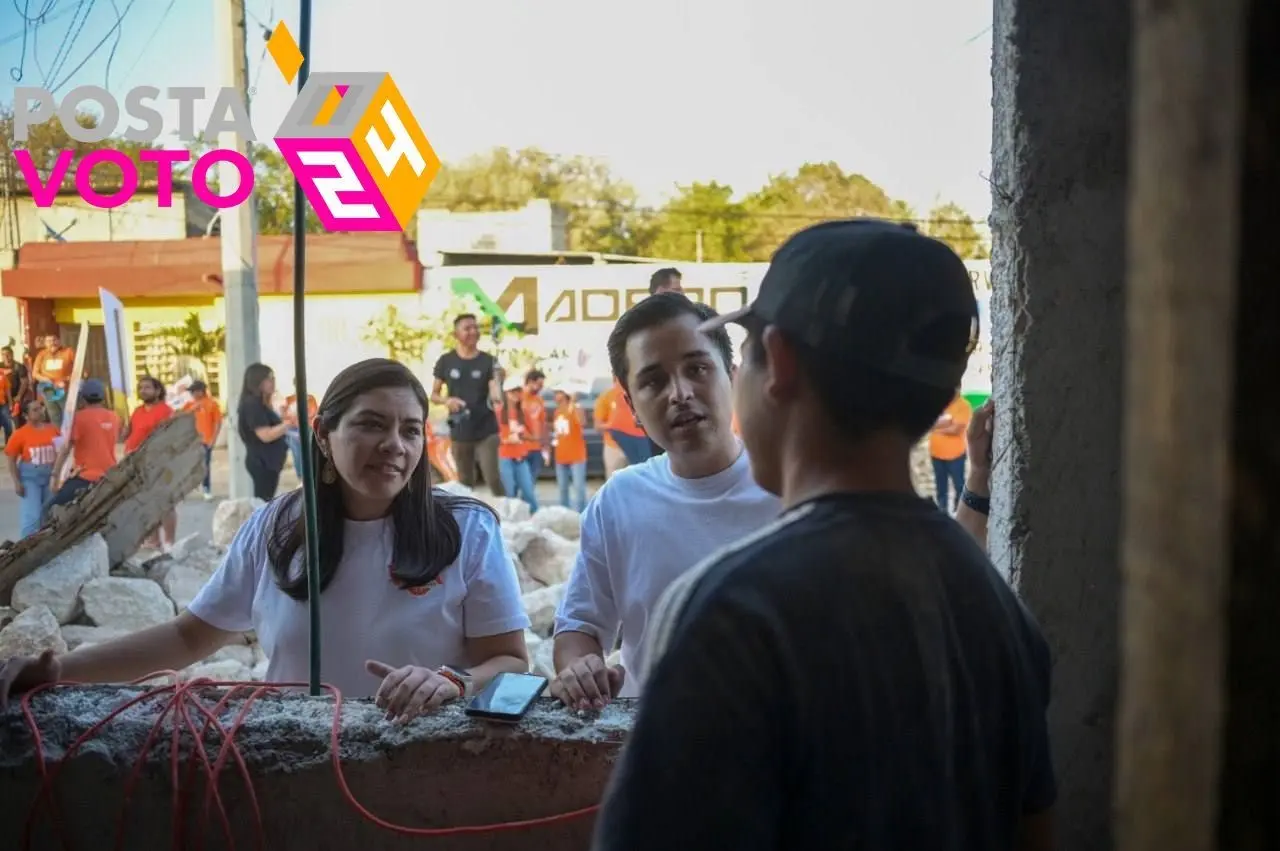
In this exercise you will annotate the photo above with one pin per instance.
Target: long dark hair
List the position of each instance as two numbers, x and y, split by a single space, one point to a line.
503 411
254 375
427 536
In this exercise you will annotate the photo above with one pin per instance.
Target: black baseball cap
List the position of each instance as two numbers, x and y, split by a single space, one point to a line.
870 293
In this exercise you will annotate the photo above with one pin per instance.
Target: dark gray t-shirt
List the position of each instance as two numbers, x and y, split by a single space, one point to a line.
857 676
468 379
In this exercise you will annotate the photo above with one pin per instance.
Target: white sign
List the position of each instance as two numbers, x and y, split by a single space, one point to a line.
113 325
73 393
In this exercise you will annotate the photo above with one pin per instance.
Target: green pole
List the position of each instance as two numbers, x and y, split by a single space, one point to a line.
300 372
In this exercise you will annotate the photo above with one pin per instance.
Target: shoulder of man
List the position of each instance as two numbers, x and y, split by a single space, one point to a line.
729 565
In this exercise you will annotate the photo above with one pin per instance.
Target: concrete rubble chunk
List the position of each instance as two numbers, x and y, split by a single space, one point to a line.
565 522
229 516
517 536
6 616
57 584
29 634
510 510
549 558
441 770
124 507
123 603
183 582
542 659
541 605
77 635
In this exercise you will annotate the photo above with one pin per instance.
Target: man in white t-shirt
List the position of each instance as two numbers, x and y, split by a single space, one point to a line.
652 522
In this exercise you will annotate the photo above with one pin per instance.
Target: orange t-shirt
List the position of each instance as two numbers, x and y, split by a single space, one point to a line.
208 417
513 442
94 433
57 365
144 420
621 418
949 447
571 444
33 444
604 412
291 409
535 419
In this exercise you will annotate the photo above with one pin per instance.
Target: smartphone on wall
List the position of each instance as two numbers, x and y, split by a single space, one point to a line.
507 697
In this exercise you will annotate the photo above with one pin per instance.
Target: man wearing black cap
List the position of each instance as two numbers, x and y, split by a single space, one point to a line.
856 674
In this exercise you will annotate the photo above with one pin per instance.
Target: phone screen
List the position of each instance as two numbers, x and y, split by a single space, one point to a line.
508 695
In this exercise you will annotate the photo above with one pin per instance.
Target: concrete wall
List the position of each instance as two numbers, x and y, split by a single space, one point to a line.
440 771
1059 197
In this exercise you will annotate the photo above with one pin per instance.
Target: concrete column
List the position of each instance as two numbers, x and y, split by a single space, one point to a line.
1059 148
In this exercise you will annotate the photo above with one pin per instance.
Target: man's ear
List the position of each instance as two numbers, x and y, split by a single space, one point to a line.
783 375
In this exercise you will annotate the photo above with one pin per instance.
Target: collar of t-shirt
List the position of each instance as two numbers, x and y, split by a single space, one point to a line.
715 483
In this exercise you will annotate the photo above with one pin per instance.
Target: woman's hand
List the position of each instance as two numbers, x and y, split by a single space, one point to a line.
23 673
410 691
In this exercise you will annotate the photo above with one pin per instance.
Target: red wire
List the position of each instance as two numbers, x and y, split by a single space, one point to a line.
185 698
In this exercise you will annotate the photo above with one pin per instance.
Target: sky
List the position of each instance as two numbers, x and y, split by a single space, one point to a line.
666 92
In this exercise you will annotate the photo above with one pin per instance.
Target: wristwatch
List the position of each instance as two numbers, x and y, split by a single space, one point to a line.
980 504
460 677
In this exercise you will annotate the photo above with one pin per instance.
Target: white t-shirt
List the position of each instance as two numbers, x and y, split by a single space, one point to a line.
363 613
641 531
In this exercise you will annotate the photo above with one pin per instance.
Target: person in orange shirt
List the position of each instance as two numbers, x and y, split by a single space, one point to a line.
946 446
51 371
535 418
293 435
153 411
208 415
614 460
570 449
31 450
514 466
627 433
94 432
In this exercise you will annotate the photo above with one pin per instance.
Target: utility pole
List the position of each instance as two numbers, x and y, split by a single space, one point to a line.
239 244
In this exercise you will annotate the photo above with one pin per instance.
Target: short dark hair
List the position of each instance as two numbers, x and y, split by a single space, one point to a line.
660 277
534 375
860 400
654 311
197 386
463 317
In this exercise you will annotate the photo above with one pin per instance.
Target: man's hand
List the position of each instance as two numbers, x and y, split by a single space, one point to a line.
978 439
588 683
410 691
19 489
454 404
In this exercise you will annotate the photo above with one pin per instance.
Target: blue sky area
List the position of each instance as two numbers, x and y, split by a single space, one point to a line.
730 90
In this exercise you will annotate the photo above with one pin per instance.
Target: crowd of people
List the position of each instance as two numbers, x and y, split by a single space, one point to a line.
825 659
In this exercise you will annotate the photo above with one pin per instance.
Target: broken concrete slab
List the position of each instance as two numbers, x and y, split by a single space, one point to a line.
124 506
58 583
443 770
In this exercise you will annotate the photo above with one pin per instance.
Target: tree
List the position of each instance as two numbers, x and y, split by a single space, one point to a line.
602 213
272 187
707 209
194 348
816 192
46 142
951 224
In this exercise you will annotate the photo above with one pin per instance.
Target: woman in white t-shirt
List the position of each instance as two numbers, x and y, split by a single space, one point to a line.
420 603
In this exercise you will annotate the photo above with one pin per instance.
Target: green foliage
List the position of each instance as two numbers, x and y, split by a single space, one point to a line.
193 347
952 225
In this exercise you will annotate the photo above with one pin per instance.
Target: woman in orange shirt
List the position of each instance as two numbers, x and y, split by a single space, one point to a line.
31 451
144 419
570 449
514 465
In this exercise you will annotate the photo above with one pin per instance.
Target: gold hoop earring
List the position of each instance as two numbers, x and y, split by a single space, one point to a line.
329 474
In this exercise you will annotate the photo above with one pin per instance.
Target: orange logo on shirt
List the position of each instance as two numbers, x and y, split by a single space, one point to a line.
415 590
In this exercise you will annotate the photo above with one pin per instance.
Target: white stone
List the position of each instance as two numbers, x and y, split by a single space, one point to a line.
57 584
146 563
241 654
78 636
183 582
127 604
32 632
541 607
229 516
565 522
259 671
455 488
527 582
510 510
542 659
222 670
517 536
549 558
